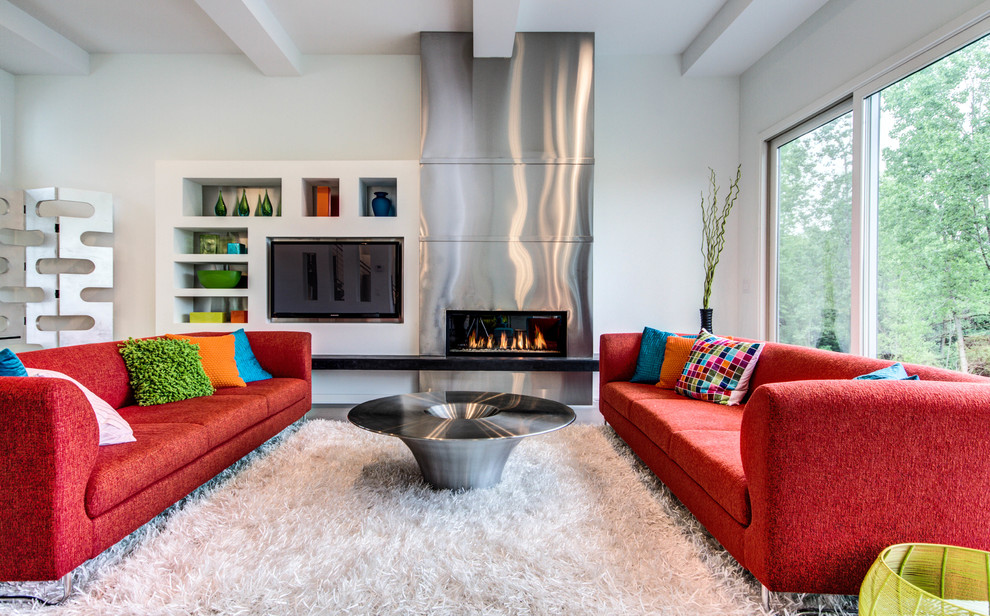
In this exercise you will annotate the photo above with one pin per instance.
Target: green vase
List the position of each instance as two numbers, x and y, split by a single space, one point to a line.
266 205
220 209
243 209
257 207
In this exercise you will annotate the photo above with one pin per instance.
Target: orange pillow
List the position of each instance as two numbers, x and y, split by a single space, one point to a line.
217 355
675 355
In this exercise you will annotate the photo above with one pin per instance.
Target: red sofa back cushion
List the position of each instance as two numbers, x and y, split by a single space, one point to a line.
98 366
785 362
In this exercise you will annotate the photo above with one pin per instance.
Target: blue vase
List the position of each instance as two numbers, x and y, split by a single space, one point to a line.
381 205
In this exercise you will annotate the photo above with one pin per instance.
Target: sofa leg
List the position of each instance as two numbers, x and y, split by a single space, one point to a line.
766 598
66 582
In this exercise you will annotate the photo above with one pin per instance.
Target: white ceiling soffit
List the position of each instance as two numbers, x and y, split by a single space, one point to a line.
495 27
255 30
741 33
29 47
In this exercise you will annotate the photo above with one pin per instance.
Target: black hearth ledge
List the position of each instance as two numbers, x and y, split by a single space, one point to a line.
488 363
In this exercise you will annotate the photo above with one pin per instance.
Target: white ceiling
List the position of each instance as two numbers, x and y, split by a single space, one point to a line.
713 37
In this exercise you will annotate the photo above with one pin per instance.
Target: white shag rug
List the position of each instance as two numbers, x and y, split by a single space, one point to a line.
330 519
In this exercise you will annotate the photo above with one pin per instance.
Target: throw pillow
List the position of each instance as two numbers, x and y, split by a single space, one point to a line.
651 350
163 370
10 364
675 355
895 372
718 369
113 428
217 355
247 364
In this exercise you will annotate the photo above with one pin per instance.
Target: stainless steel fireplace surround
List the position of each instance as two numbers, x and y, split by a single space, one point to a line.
506 194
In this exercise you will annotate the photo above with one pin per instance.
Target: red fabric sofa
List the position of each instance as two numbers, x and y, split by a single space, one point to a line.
64 499
815 474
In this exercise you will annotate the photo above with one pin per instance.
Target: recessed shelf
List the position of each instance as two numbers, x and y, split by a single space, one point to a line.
187 279
200 195
370 186
321 197
190 240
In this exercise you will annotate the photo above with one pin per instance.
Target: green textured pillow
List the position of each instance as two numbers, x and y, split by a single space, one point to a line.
164 370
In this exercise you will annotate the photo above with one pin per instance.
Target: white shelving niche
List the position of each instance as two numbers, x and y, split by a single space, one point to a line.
186 193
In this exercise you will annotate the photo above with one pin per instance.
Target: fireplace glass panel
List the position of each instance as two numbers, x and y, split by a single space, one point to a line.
505 332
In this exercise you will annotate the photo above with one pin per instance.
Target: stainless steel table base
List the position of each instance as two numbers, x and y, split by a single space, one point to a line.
461 439
461 465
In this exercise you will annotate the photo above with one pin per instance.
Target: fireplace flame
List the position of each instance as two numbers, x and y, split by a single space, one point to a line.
518 341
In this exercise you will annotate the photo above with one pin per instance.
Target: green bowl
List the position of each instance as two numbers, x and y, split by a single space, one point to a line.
219 279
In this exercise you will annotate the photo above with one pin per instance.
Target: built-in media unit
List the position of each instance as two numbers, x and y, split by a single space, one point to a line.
335 279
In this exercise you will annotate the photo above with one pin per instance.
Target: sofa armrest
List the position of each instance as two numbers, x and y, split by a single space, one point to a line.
838 470
617 355
284 353
49 440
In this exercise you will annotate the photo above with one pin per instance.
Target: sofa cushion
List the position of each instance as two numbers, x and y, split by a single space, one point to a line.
279 393
675 355
113 428
223 417
713 460
217 354
650 358
163 370
247 364
124 470
10 364
718 369
98 366
663 416
894 372
620 394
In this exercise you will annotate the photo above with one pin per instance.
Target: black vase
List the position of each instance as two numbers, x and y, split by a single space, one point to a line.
706 319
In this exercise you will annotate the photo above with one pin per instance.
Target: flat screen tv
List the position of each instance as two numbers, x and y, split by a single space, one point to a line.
345 279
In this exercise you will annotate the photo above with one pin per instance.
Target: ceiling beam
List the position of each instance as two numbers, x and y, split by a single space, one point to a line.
495 28
252 26
742 32
36 48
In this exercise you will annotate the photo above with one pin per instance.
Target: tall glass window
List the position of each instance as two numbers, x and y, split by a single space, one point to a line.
933 217
880 214
813 174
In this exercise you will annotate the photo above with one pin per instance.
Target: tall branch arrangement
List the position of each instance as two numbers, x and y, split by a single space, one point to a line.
713 227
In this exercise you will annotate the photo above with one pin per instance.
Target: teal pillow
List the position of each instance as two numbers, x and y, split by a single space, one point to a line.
247 364
651 350
164 370
890 373
10 364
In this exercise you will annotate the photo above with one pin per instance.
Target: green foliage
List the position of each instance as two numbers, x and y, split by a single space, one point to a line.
815 228
934 235
933 238
713 227
164 370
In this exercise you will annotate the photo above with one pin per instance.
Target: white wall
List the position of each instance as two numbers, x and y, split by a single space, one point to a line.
8 127
656 134
105 131
814 66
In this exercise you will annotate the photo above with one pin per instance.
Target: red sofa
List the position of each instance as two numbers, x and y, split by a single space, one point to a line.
64 499
815 474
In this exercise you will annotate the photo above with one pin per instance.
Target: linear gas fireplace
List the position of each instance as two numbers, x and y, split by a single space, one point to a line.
506 332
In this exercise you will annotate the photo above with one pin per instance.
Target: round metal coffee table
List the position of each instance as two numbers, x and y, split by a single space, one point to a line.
461 439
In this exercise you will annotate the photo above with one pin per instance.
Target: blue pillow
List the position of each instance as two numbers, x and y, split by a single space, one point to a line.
651 350
247 364
10 364
890 373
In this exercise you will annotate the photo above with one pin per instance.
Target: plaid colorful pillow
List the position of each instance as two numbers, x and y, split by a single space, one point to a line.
718 369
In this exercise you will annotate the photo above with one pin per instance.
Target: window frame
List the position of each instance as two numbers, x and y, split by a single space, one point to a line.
862 100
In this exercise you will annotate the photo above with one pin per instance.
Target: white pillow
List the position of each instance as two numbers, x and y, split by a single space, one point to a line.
113 428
